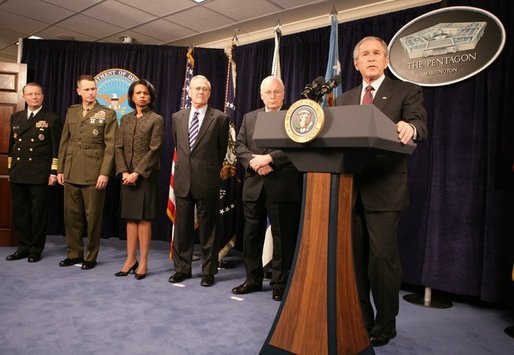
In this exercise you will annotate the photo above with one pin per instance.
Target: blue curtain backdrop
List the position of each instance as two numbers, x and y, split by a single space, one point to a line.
457 234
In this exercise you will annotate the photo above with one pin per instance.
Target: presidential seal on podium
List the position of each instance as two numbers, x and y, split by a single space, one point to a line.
304 121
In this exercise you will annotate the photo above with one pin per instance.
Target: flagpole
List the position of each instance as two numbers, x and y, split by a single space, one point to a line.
185 102
275 68
229 170
267 249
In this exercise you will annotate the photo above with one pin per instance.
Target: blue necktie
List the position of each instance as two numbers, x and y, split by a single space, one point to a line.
193 130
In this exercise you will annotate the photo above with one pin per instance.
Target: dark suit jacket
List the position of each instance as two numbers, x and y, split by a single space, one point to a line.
280 185
383 184
33 147
87 144
138 143
198 172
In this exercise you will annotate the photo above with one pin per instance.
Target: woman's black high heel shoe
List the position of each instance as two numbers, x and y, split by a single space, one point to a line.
139 276
125 273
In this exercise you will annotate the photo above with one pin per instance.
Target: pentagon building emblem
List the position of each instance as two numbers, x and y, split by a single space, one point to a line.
446 46
112 87
443 38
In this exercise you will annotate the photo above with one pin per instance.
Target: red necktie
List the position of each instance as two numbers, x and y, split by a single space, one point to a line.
367 99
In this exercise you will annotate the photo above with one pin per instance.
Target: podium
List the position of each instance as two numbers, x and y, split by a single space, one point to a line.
320 311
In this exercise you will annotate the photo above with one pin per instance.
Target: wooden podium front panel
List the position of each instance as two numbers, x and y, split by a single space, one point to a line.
298 329
349 323
320 313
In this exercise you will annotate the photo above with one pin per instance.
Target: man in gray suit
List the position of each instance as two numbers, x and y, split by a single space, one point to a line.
381 190
86 160
201 137
271 189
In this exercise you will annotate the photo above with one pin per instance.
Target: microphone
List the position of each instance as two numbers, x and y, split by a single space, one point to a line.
311 90
330 85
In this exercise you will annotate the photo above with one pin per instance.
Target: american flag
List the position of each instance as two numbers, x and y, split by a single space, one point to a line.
185 102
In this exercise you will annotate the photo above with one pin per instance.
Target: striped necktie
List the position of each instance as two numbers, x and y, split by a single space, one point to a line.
193 130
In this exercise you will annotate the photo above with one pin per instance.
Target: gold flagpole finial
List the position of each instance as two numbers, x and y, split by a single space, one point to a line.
189 55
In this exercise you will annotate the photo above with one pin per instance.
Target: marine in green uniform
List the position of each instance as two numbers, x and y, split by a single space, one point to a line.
86 160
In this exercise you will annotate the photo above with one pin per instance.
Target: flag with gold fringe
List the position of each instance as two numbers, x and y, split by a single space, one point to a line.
185 102
333 63
228 187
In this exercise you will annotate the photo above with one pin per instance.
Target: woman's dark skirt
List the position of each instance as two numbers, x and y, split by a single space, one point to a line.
140 202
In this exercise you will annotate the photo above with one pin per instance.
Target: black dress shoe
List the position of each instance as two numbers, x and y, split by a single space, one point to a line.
125 273
246 287
207 280
381 339
88 265
34 258
179 277
70 262
277 294
17 255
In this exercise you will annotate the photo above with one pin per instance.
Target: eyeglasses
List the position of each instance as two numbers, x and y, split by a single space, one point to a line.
274 92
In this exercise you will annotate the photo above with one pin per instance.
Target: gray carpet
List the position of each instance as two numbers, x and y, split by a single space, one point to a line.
46 309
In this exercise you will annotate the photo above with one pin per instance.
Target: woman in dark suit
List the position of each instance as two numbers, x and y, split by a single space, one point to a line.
138 147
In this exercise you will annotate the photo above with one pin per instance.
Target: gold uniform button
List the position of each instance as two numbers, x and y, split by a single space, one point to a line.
19 140
19 148
31 149
30 159
32 139
18 158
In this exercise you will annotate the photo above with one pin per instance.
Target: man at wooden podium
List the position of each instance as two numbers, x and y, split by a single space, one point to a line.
380 190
